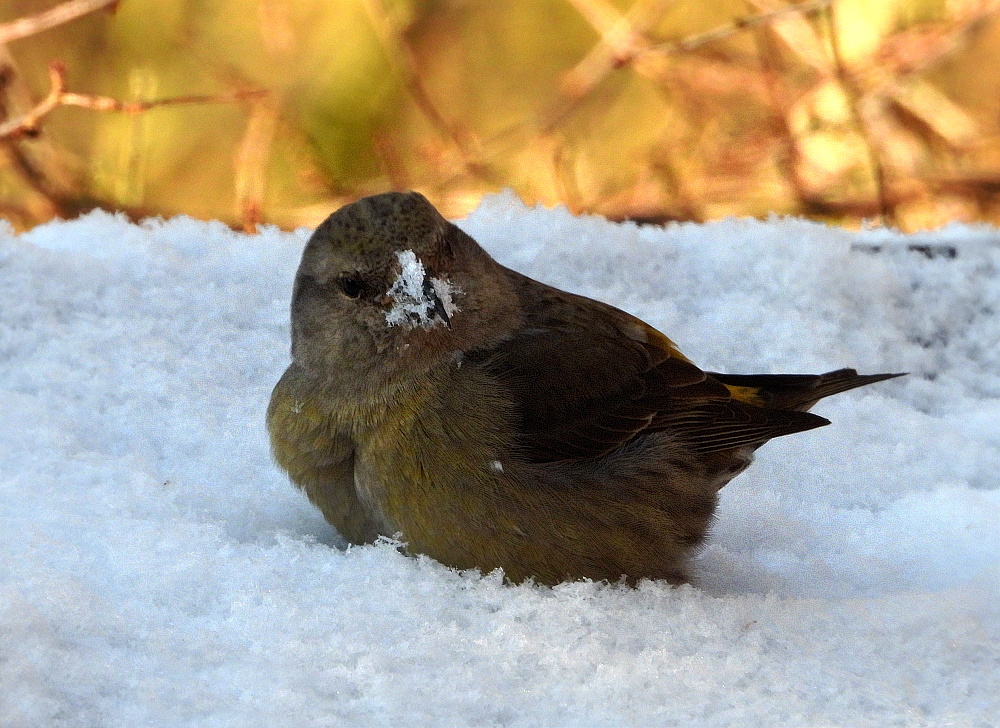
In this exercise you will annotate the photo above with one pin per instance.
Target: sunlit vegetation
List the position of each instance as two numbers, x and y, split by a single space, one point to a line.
277 111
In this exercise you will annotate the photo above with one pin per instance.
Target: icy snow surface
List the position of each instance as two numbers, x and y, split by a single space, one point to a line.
156 569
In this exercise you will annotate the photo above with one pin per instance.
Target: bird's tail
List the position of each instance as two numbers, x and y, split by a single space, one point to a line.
796 392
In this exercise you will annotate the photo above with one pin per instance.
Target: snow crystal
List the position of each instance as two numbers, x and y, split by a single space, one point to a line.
419 300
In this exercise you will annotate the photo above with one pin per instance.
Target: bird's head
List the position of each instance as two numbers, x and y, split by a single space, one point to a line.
387 285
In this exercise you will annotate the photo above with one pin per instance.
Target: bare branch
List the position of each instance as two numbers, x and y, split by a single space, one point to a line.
854 99
623 40
724 31
250 164
393 41
27 124
23 27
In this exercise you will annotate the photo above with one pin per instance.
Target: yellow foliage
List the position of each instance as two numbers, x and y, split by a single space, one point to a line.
843 109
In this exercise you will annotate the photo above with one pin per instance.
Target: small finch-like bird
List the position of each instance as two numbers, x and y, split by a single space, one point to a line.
491 421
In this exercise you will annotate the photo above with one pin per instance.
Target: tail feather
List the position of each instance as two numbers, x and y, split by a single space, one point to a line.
799 392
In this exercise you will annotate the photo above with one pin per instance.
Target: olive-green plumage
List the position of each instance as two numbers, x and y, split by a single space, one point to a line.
496 422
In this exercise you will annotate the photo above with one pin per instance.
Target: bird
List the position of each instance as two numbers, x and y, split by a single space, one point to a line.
490 421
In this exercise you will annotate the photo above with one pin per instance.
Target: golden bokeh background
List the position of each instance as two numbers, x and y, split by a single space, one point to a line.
848 111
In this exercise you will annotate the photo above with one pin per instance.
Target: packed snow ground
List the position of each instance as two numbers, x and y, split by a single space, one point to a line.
156 569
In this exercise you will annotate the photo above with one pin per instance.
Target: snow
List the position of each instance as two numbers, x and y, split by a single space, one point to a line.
157 569
418 300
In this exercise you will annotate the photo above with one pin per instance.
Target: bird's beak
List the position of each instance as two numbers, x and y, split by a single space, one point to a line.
438 306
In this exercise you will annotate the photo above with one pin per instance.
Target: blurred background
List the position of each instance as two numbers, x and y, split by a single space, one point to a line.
277 111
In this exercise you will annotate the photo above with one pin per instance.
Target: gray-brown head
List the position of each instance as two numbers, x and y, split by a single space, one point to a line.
387 284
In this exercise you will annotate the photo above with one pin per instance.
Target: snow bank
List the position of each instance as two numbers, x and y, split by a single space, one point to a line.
157 569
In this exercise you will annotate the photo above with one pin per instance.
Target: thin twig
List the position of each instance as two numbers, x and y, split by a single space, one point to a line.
23 27
27 124
751 21
250 164
789 159
854 96
393 41
623 40
47 183
954 40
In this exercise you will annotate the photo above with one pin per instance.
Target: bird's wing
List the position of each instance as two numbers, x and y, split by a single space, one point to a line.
583 391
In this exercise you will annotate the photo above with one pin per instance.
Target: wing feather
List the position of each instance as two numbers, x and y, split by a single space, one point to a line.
583 395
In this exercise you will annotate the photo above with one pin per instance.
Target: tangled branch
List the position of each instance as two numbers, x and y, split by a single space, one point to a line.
23 27
745 23
27 125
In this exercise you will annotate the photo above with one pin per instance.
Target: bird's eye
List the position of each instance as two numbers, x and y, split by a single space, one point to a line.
350 285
